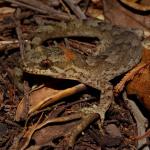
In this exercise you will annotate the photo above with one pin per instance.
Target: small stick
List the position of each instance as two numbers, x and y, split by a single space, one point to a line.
76 9
59 96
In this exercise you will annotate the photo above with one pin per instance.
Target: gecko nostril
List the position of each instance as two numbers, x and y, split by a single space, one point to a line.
46 63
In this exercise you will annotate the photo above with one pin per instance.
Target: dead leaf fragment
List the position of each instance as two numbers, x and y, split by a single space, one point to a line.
36 97
6 10
140 76
43 97
95 13
126 17
135 5
140 85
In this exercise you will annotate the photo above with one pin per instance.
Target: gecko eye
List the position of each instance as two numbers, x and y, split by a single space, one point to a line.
46 63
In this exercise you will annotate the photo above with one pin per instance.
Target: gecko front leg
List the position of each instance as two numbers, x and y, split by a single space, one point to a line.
106 99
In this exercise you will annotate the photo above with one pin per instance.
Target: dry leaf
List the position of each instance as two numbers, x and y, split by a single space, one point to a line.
36 97
140 85
137 6
95 13
119 15
43 97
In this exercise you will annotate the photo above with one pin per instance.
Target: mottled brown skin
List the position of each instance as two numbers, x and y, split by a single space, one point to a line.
119 50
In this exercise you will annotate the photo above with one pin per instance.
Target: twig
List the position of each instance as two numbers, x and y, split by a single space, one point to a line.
26 5
8 45
30 132
58 96
38 126
129 76
19 33
76 9
42 8
145 135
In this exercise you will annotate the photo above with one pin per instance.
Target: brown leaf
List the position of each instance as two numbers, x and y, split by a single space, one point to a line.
35 99
43 97
136 6
120 15
140 85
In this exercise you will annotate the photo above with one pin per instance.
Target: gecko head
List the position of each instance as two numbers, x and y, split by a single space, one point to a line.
47 61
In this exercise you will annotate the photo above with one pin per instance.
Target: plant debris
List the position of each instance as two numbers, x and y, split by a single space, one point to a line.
43 112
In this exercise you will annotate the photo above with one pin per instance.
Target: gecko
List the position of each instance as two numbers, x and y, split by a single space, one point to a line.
118 51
